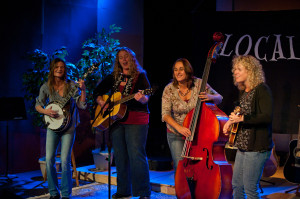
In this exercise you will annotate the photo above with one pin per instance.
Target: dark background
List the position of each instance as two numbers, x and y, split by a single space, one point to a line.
159 32
188 33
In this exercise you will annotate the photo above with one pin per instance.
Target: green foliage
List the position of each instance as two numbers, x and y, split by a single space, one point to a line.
100 49
33 79
97 50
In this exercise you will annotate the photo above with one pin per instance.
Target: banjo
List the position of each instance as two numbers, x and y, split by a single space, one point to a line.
63 120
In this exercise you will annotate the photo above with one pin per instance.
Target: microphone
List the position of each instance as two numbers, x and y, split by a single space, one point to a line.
123 78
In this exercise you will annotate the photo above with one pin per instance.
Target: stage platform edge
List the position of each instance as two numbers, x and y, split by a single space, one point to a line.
161 181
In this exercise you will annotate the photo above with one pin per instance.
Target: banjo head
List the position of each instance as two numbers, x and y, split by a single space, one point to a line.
55 123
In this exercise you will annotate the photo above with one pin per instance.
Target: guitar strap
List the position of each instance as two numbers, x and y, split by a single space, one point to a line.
133 83
129 87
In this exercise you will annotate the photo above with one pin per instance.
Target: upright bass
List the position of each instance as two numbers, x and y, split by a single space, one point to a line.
204 172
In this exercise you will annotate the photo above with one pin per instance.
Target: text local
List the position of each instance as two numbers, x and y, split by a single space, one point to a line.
277 51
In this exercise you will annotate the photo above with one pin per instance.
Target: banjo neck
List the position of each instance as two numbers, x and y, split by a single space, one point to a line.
73 90
71 93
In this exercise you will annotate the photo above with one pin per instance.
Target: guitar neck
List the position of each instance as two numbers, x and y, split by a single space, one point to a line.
124 99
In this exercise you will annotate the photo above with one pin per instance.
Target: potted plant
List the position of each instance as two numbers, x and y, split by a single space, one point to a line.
34 77
98 49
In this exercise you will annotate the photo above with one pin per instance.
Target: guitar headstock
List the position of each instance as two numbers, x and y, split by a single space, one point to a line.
216 48
148 91
237 110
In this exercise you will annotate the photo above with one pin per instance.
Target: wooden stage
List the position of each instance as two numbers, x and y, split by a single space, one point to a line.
273 187
161 181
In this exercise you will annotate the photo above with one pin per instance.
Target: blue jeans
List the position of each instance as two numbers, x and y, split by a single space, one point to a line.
52 141
247 171
129 143
176 143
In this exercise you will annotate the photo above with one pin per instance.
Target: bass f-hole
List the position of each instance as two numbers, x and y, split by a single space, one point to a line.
207 159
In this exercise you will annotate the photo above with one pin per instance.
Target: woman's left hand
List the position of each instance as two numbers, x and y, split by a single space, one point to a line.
140 98
81 84
205 97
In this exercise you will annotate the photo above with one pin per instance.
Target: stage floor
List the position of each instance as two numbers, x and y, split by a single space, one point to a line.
163 181
93 184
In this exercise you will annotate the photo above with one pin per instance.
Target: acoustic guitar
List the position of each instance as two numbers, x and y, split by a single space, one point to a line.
271 164
230 149
291 170
115 111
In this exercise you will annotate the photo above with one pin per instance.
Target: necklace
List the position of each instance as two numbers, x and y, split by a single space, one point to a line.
59 88
183 94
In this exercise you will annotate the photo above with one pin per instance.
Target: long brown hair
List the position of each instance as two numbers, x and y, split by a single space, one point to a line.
189 71
134 69
51 81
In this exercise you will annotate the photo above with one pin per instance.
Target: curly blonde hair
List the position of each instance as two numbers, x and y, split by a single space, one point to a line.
254 69
134 69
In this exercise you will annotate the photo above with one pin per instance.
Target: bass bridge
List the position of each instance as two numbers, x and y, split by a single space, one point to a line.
193 158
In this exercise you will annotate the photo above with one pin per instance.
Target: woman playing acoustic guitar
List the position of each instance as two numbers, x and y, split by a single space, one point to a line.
129 135
254 136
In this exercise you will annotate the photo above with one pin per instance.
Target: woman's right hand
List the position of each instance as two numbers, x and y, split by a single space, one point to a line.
227 127
184 131
101 102
51 112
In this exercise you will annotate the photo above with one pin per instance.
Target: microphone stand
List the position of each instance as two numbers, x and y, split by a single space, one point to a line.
109 144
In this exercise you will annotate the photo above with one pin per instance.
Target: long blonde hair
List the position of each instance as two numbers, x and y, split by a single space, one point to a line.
134 69
254 69
51 79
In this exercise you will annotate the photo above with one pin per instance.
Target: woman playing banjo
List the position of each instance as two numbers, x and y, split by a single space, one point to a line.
55 90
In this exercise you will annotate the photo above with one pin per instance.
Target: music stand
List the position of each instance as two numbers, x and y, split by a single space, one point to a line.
11 108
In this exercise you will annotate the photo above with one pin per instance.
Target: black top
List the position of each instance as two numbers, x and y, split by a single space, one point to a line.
260 119
107 84
243 136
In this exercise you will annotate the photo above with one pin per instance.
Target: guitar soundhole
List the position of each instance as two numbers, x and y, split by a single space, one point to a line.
297 157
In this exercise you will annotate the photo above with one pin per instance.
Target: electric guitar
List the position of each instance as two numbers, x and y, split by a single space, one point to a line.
115 111
291 170
63 120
